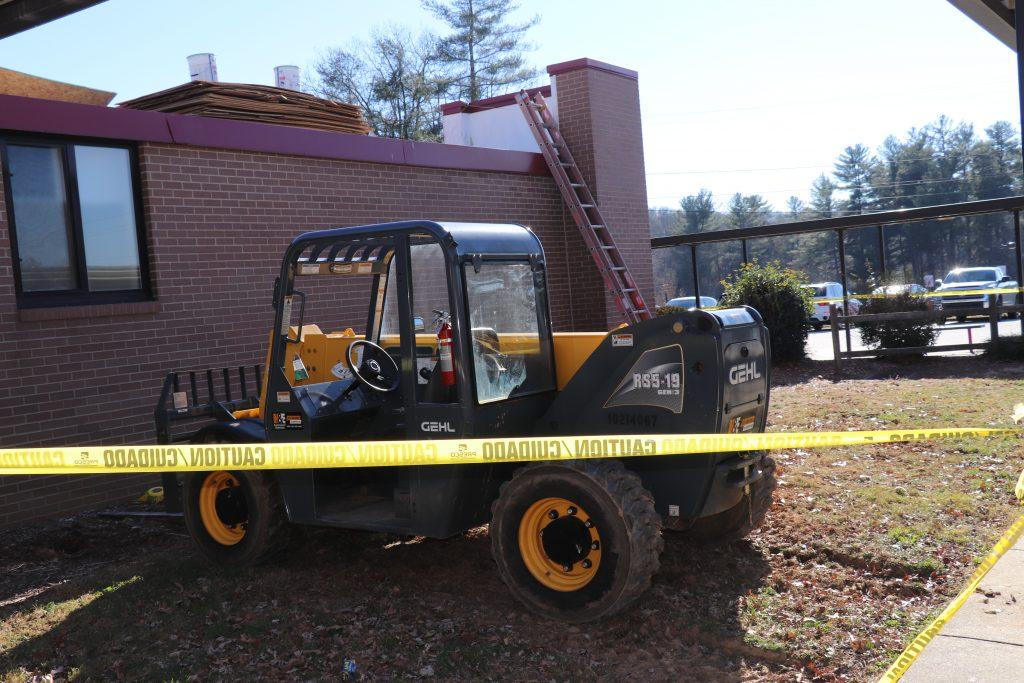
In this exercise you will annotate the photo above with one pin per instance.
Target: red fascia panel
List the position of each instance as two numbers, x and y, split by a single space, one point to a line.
456 107
31 115
586 63
206 131
460 107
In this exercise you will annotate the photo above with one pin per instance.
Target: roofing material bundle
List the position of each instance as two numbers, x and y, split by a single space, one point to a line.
259 103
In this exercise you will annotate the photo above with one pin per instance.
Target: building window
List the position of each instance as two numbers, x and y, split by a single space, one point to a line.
76 229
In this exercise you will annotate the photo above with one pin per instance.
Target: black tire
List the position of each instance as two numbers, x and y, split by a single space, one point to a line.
624 524
818 326
251 506
961 319
742 518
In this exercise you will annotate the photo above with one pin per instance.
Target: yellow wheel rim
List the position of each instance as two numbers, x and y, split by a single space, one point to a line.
217 485
560 544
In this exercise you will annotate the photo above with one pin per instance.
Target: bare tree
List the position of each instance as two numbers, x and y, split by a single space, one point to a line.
397 79
484 50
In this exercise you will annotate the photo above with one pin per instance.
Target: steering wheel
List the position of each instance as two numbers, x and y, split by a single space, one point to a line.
378 369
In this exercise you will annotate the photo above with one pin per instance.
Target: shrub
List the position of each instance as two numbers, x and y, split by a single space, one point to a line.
776 293
897 333
1007 348
667 310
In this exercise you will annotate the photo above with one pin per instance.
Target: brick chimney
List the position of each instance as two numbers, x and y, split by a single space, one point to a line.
599 116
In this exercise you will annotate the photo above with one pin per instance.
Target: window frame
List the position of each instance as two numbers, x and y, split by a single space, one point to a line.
80 295
543 320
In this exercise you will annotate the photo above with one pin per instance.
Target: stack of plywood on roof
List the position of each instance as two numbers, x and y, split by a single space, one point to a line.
25 85
260 103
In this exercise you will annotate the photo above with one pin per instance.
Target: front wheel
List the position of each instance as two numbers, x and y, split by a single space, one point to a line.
576 541
235 518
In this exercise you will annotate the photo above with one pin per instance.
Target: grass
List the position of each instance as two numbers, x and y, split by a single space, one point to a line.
863 546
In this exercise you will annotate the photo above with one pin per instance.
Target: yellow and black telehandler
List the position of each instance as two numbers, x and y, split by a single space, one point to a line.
457 343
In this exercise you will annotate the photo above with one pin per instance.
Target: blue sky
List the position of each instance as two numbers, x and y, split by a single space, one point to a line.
756 97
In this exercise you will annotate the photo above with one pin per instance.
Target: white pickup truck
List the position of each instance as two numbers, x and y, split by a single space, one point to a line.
825 293
974 279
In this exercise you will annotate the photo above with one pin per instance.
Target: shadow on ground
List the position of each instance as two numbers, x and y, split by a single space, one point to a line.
397 607
927 367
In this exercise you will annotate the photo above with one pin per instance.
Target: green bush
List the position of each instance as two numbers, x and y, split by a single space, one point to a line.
897 333
776 293
1007 348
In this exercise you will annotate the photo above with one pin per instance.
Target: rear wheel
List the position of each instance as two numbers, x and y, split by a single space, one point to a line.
235 518
961 319
742 518
576 541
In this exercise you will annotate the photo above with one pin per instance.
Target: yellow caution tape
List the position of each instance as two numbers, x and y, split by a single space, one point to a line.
951 293
913 651
279 456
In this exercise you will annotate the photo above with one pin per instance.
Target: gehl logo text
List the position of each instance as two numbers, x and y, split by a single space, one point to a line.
744 372
429 426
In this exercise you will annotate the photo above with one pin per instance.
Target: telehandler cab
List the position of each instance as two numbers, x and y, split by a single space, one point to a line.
458 343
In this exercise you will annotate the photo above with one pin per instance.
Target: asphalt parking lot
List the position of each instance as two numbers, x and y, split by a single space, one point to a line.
819 344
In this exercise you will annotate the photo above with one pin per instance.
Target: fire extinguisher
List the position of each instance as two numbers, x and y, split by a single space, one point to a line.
444 346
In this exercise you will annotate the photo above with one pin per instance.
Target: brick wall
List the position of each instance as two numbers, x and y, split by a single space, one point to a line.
599 115
217 222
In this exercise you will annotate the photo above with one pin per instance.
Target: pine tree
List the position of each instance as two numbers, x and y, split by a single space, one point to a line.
746 211
698 210
796 207
853 171
822 197
485 50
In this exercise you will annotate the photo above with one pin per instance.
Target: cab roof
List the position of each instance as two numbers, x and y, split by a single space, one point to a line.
464 239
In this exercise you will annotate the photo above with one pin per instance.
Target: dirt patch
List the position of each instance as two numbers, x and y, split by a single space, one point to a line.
861 548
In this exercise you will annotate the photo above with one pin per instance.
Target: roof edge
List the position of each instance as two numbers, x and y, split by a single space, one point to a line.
587 63
462 107
31 115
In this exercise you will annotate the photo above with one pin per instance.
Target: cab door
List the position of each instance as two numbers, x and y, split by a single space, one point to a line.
431 396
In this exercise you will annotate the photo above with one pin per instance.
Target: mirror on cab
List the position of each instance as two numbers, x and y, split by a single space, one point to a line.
417 322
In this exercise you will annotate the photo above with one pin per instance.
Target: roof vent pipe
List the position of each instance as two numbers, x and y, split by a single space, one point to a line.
202 67
286 77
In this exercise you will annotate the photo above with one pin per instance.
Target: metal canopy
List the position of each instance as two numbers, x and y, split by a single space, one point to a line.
864 220
995 16
20 15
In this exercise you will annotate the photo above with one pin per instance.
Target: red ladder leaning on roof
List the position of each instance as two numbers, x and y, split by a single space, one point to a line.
584 208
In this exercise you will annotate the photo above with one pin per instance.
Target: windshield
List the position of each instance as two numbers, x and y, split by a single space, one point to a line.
971 275
817 291
510 355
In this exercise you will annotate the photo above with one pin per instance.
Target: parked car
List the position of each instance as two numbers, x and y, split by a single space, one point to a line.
826 293
691 302
972 279
934 302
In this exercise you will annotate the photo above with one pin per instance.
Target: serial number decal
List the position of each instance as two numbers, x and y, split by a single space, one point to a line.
632 420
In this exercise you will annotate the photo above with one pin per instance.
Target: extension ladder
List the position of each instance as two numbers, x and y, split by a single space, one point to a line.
583 207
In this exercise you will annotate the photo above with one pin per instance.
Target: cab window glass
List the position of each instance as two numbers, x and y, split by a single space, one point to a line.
510 357
429 290
430 304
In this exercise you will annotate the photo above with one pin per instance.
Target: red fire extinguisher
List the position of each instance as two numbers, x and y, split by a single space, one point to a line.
444 345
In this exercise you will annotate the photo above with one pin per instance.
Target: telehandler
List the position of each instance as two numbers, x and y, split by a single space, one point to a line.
458 343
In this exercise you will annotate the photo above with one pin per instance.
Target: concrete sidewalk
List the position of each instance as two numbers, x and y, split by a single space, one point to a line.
984 641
